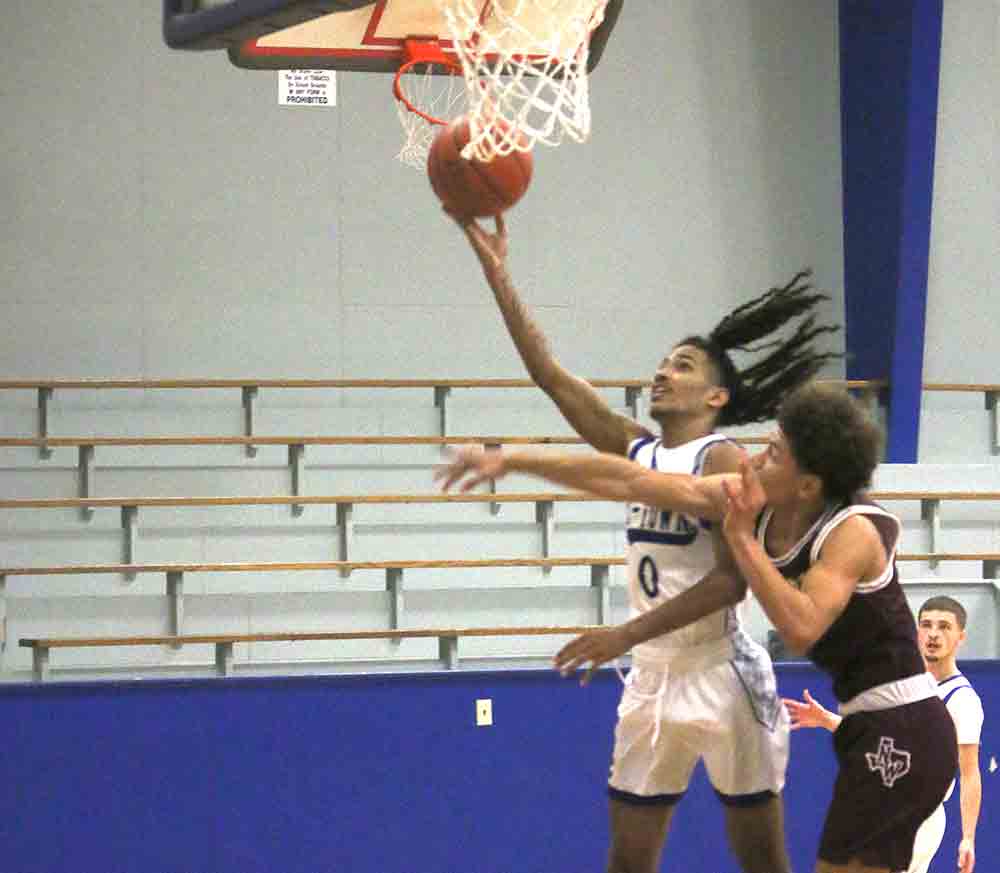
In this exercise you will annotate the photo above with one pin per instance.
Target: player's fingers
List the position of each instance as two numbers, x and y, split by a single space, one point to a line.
466 222
807 696
444 469
449 479
501 225
573 664
472 481
734 494
567 651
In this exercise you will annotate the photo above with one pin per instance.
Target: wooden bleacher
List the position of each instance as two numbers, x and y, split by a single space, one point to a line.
448 638
250 389
931 509
447 641
930 502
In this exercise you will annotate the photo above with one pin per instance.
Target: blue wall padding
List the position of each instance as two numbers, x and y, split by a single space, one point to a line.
889 64
376 774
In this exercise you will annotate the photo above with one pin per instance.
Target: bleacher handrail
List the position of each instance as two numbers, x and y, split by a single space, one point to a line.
489 382
401 498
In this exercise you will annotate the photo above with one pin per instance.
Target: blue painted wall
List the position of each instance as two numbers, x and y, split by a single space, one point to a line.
890 56
385 774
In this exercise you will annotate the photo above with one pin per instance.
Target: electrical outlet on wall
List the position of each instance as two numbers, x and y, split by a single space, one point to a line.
484 712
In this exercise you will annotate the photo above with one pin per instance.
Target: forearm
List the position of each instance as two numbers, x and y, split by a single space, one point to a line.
531 343
616 478
789 610
718 590
970 800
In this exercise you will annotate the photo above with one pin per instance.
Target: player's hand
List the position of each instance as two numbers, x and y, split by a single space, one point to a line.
966 856
470 466
592 648
491 248
745 499
809 713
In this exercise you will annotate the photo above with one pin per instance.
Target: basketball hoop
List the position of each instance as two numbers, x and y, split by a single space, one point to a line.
430 91
525 65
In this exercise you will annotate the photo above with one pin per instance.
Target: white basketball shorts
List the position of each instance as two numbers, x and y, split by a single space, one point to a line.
724 711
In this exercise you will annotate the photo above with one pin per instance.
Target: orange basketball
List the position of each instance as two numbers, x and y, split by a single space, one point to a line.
473 188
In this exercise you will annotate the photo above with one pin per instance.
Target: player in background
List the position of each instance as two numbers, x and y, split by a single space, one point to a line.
941 631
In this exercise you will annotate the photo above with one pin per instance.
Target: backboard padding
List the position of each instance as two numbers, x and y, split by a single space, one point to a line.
367 39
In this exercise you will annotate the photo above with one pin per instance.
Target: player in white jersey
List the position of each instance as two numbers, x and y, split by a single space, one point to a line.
703 691
940 632
683 700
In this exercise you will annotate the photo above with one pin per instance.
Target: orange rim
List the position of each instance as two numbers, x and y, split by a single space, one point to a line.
426 52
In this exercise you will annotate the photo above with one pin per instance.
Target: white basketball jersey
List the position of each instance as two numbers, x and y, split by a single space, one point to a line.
668 552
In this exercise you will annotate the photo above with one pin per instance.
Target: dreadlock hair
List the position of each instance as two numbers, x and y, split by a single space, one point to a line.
755 392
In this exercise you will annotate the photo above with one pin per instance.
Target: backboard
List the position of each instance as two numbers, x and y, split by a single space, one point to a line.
358 35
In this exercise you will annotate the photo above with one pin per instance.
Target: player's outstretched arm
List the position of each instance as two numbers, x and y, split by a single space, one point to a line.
581 405
605 475
719 589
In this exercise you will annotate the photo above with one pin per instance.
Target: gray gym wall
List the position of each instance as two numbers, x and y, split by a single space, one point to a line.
166 218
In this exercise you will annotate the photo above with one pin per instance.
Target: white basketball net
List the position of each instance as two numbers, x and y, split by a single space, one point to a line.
436 93
525 64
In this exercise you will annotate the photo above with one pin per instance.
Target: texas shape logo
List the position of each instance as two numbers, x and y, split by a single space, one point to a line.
889 762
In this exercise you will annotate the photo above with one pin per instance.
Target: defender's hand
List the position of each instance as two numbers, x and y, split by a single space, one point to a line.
808 712
470 466
745 500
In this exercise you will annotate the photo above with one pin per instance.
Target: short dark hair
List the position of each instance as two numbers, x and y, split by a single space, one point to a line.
755 392
943 603
831 436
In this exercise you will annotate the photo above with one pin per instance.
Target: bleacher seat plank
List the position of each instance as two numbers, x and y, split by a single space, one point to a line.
260 440
430 498
447 641
299 636
282 566
139 384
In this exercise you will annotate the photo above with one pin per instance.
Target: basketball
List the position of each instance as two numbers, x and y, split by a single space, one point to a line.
472 188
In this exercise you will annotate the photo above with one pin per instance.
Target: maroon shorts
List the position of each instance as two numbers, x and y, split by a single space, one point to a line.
895 766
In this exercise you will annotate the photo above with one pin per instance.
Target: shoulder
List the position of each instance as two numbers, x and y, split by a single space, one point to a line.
966 710
722 456
958 694
855 542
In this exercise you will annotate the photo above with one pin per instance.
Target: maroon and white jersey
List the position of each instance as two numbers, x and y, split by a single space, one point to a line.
874 640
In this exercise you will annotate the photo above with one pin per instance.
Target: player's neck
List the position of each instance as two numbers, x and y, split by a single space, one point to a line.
943 669
791 521
677 430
